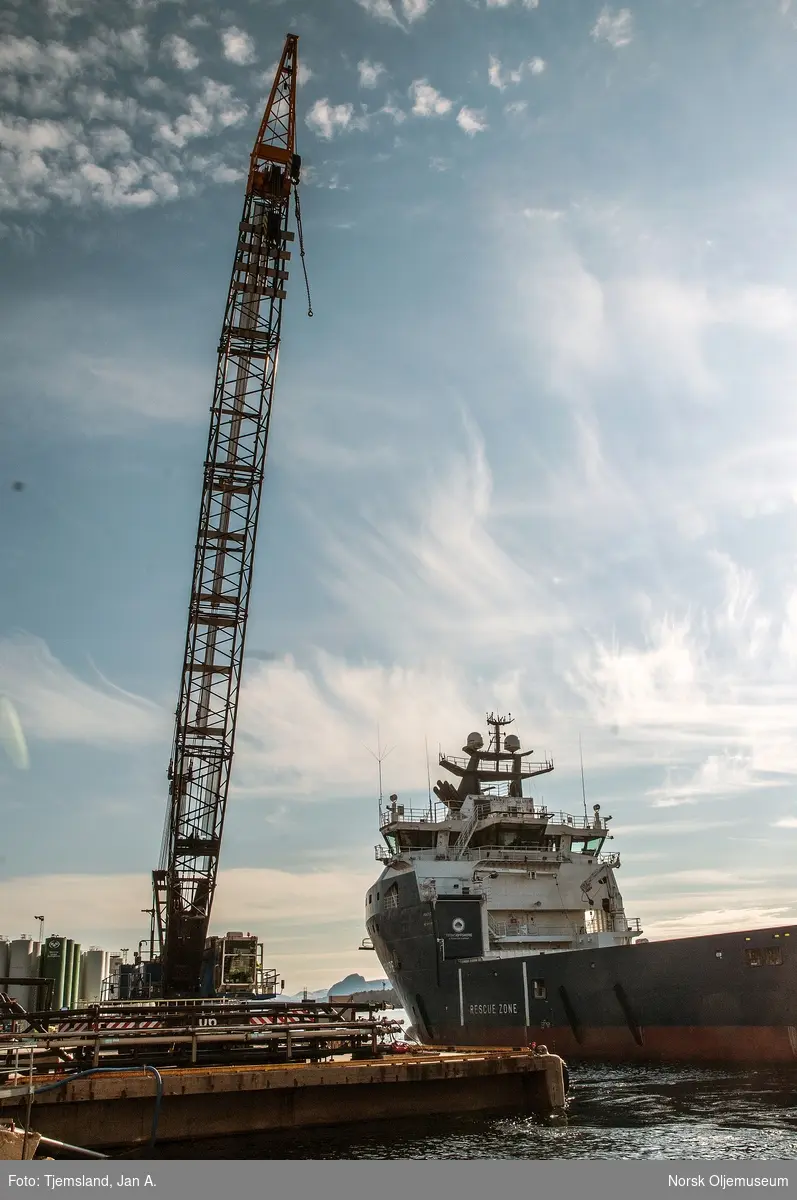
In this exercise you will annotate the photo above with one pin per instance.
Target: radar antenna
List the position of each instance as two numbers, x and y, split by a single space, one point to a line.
583 787
380 757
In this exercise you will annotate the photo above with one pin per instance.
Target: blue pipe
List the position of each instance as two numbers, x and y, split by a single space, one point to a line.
49 1087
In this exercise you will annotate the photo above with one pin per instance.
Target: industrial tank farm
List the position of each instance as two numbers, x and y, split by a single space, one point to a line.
76 975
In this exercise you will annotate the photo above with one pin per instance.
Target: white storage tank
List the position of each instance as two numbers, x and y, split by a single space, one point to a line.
93 971
23 962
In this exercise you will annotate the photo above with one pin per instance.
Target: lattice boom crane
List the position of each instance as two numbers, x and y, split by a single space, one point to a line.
199 772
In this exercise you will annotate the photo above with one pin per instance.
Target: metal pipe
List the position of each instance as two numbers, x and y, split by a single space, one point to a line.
50 1039
249 1037
53 1144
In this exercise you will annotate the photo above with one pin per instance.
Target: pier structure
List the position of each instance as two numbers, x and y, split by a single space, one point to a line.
130 1108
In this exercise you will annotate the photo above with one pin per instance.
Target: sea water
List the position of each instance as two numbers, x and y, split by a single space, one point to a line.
613 1112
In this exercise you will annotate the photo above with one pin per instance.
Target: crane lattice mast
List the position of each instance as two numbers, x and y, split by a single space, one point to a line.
199 772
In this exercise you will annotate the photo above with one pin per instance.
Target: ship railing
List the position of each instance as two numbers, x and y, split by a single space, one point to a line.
490 854
529 928
437 814
428 889
609 860
528 768
514 854
524 806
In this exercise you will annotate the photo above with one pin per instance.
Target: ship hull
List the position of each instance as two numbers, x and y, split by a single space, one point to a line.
729 997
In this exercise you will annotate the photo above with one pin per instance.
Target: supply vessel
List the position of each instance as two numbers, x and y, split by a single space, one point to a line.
500 923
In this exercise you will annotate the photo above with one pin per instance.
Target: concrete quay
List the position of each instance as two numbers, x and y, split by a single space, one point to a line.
116 1110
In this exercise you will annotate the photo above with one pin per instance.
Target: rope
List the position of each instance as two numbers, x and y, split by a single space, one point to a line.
298 208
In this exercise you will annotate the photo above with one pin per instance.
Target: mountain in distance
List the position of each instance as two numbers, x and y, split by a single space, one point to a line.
345 987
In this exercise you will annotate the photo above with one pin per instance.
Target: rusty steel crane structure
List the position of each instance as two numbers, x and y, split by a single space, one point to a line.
199 771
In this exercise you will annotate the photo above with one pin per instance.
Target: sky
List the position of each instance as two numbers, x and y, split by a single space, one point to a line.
536 451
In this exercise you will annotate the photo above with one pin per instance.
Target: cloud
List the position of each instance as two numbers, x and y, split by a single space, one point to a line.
472 121
215 107
382 10
47 158
181 52
413 10
507 3
237 46
719 776
427 101
390 109
500 77
326 120
102 393
341 704
785 823
67 9
369 73
616 28
56 705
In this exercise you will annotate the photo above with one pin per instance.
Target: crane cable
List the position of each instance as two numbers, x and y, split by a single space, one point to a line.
298 208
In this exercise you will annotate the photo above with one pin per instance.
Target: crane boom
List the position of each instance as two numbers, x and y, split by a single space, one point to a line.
199 772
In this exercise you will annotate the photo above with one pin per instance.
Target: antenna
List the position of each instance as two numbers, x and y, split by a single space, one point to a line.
583 788
428 778
380 758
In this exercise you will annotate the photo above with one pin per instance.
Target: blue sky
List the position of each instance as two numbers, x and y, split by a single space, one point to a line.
535 450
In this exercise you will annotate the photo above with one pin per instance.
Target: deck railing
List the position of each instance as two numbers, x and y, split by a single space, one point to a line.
502 929
486 806
493 854
528 768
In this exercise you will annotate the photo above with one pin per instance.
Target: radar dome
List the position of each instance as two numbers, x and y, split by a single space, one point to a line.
475 741
512 743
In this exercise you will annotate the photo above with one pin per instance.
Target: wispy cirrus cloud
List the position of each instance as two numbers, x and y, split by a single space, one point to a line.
56 705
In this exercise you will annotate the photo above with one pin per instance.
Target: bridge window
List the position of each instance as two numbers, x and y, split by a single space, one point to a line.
590 846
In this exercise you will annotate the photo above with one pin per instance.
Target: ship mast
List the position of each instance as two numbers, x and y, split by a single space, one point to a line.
497 723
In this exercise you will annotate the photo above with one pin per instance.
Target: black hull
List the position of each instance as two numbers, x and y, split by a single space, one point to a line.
729 997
